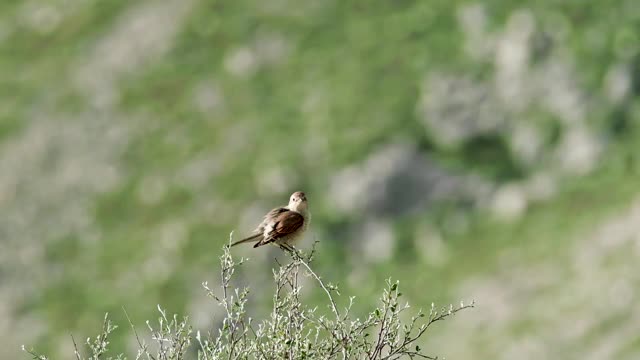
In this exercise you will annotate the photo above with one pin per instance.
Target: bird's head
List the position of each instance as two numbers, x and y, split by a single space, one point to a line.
298 202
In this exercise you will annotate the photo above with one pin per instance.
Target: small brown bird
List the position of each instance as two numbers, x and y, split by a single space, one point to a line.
282 225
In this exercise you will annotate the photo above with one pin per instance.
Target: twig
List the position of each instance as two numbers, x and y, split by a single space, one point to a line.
324 287
142 346
75 347
257 344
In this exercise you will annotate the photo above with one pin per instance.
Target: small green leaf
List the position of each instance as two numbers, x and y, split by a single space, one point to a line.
394 287
417 348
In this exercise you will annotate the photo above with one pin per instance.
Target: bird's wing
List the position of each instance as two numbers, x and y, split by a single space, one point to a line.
270 218
285 223
258 233
273 214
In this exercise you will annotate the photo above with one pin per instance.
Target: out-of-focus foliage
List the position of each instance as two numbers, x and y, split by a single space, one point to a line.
474 149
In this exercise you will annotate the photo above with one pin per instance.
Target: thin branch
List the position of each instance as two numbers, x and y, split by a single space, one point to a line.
142 346
258 344
75 347
334 307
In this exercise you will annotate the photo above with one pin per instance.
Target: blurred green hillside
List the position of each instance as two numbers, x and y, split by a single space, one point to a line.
471 150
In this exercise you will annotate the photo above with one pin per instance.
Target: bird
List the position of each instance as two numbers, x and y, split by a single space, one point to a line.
282 226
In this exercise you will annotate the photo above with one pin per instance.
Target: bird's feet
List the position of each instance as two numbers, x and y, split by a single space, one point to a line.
286 247
295 253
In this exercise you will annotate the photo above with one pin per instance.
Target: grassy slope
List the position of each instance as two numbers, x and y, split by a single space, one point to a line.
367 79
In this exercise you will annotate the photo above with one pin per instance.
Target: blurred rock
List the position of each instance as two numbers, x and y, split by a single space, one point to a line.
144 32
40 17
512 60
207 97
152 189
540 187
430 245
527 144
578 151
557 90
377 241
617 83
241 62
509 202
393 181
456 108
621 294
271 48
472 17
267 49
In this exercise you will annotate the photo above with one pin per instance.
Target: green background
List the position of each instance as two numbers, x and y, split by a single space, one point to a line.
472 150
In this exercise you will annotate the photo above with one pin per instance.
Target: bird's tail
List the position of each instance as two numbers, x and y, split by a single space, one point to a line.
256 237
263 242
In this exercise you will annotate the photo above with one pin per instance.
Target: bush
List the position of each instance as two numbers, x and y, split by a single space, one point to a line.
292 330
